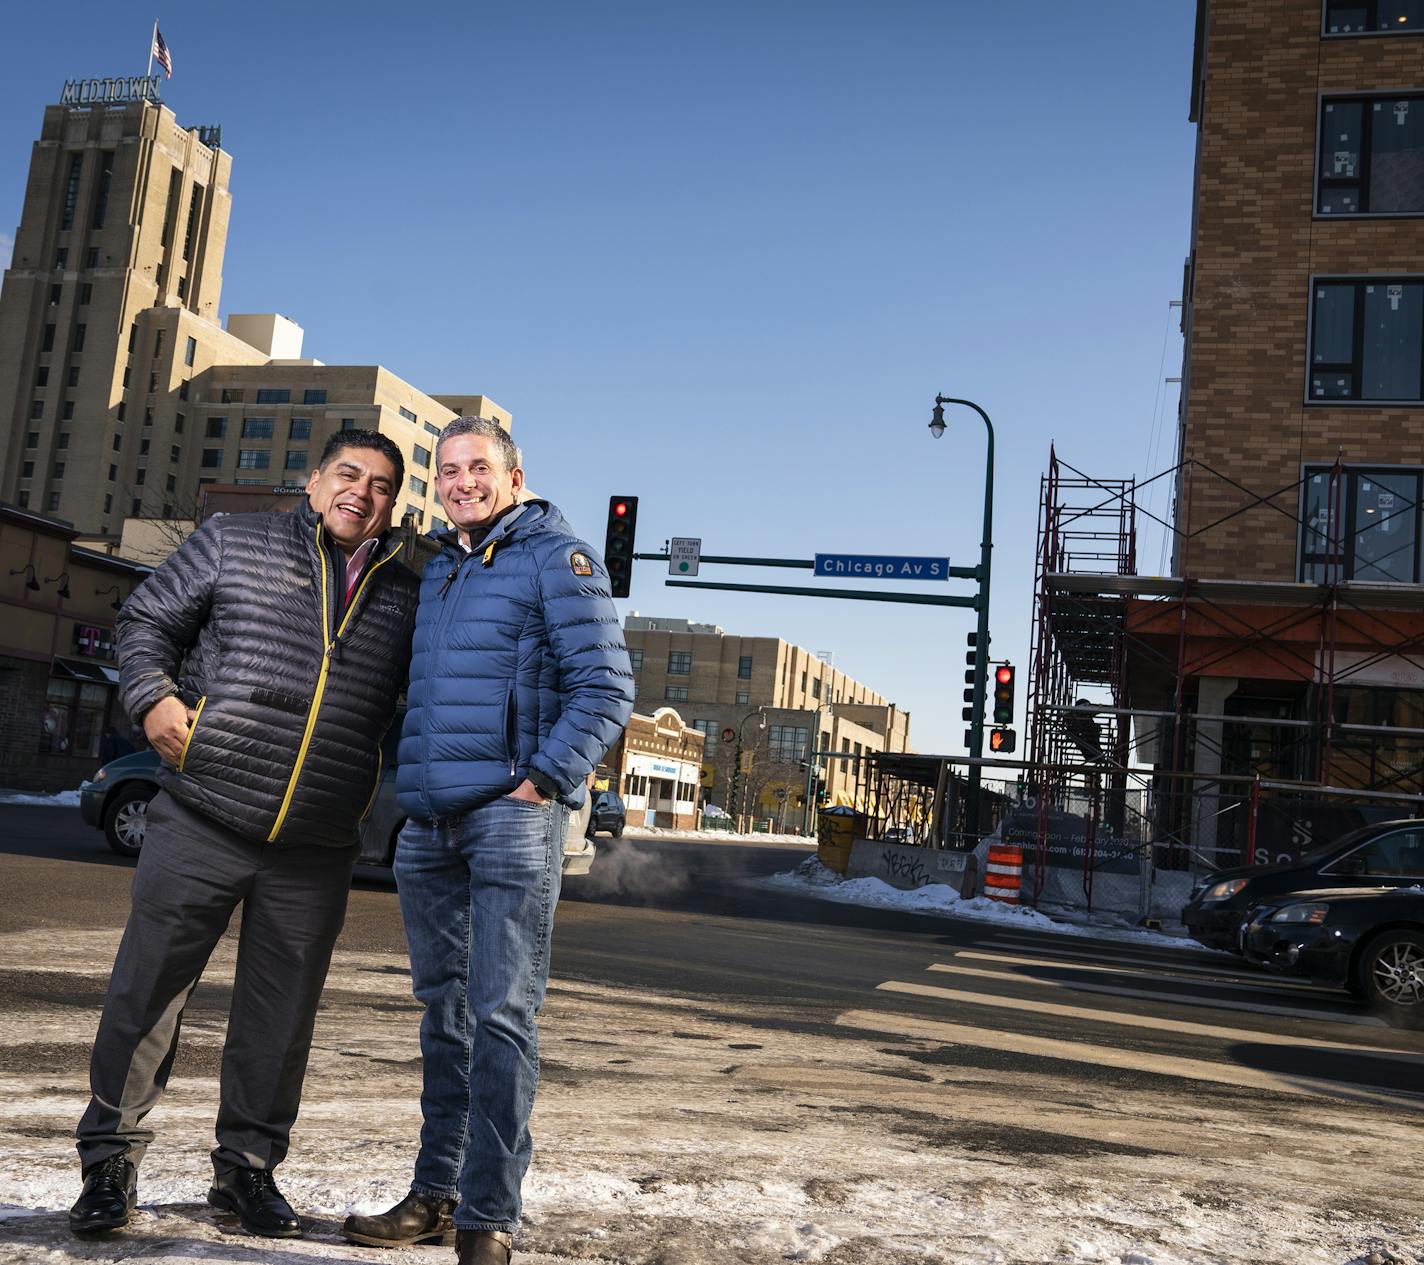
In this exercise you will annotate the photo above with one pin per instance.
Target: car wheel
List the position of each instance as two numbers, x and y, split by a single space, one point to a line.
127 816
617 831
1390 975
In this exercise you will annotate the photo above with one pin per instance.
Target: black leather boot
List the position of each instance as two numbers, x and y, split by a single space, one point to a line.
252 1193
110 1189
484 1247
416 1219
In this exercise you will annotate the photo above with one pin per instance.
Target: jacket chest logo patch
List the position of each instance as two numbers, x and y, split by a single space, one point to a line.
579 563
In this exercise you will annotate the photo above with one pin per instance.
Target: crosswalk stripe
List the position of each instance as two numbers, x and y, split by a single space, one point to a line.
1128 1019
1113 950
1177 999
1127 1060
1155 970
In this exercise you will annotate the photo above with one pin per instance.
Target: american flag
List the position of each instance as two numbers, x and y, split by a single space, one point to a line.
161 53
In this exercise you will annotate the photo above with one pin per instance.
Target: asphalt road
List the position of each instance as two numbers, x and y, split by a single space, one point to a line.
1165 1073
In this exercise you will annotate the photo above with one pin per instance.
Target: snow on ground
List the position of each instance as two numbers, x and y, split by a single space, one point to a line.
696 1131
811 878
714 836
60 799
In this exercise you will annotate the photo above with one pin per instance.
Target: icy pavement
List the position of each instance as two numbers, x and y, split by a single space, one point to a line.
674 1131
811 878
60 799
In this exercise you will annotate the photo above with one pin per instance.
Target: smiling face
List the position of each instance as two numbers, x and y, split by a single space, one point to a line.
354 492
473 484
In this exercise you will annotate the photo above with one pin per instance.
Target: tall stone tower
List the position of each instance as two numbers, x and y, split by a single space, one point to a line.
124 211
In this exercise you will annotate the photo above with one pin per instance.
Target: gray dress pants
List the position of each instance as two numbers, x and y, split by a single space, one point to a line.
191 875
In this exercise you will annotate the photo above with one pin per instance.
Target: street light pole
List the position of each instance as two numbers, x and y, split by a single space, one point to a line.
981 639
734 806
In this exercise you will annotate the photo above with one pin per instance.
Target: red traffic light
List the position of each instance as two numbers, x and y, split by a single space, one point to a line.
620 508
1003 674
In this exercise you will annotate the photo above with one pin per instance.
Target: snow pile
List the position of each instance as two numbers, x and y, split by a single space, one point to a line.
60 799
714 836
811 878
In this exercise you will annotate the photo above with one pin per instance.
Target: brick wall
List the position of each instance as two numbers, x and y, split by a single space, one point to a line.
1257 245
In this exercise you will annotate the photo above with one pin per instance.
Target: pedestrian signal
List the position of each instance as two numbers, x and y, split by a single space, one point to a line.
1002 741
618 546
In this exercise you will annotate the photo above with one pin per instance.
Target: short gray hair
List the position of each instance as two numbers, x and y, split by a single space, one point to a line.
486 428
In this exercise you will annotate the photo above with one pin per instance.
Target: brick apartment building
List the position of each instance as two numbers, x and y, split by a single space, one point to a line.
1286 647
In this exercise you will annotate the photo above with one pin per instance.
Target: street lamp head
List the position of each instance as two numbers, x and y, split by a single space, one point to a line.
937 421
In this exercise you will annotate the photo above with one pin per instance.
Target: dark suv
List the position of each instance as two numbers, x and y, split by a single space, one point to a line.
609 813
1388 854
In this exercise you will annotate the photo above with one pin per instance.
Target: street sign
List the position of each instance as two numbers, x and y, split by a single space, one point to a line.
745 765
728 734
867 566
683 555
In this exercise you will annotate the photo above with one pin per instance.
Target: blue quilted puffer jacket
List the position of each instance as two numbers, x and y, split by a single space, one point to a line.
518 665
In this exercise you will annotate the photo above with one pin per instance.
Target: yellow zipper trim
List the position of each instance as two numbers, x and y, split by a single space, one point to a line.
371 803
192 729
321 678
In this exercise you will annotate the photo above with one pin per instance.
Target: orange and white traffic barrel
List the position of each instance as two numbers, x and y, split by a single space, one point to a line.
1003 873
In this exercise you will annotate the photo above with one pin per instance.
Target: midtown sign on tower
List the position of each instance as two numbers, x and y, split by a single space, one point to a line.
110 91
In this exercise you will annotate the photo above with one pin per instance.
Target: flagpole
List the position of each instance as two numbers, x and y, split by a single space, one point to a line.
152 40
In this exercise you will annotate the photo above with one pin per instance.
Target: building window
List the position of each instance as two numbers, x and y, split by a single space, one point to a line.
231 395
431 429
47 339
422 457
53 501
79 331
183 389
195 205
42 376
257 427
36 409
74 717
61 257
71 191
253 458
86 293
59 469
348 423
1367 341
179 420
635 657
1373 17
708 729
417 485
127 371
274 395
23 500
300 428
122 410
118 441
170 485
408 415
140 475
743 697
296 460
27 470
744 667
1379 511
675 694
108 502
32 439
190 351
106 179
217 427
314 395
183 287
148 416
91 257
113 470
73 377
136 507
152 383
63 441
68 410
787 742
55 294
679 662
1371 158
174 452
212 458
816 688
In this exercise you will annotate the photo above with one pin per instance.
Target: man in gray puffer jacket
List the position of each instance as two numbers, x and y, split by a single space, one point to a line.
264 660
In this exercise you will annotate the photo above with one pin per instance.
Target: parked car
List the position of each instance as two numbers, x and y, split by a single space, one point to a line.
1370 942
116 799
898 834
1388 854
608 813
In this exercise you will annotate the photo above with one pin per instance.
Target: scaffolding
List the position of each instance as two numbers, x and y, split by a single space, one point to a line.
1196 721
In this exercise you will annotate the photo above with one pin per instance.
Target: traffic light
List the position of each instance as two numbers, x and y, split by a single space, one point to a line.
618 546
1002 741
1004 694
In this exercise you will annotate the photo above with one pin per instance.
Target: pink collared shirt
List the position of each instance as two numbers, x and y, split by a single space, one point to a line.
356 563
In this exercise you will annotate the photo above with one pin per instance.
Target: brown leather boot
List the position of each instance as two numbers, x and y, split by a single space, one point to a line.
484 1247
416 1219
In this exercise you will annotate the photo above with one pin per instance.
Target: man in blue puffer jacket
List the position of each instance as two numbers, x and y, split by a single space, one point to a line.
519 684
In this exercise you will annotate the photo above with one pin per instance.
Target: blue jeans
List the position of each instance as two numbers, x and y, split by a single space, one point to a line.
477 893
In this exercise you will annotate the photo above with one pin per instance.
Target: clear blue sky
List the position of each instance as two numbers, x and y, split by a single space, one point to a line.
717 253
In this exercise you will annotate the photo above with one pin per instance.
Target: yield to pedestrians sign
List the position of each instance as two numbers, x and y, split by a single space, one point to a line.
683 555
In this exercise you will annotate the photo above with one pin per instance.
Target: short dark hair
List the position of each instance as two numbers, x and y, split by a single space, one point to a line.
383 444
487 428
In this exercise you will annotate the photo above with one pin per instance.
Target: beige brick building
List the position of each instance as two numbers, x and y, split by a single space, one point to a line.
120 391
723 684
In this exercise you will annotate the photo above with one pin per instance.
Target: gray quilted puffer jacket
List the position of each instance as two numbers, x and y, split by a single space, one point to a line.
245 623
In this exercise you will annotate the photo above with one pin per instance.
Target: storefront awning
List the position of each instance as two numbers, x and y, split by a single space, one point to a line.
81 670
